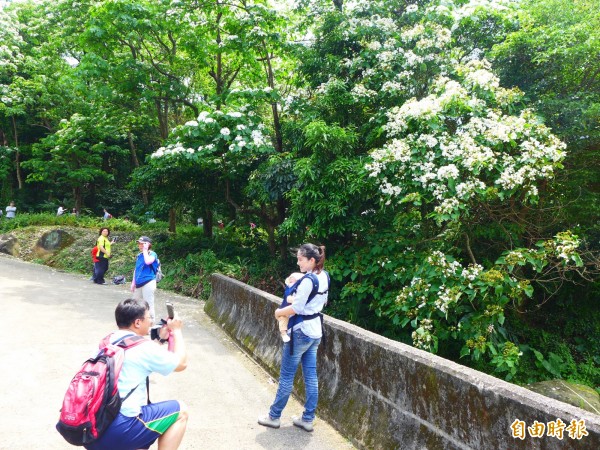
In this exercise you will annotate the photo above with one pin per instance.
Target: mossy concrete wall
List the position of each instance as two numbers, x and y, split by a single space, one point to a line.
382 394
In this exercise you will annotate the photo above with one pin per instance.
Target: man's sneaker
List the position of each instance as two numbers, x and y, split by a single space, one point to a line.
306 426
266 421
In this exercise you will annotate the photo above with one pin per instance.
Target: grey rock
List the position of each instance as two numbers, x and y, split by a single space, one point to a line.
52 241
579 395
9 245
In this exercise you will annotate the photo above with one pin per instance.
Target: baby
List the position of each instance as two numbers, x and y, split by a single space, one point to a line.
287 300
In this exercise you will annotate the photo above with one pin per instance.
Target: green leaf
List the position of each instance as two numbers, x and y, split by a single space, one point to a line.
465 351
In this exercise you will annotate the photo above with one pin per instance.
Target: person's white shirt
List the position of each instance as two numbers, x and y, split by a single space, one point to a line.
11 211
60 211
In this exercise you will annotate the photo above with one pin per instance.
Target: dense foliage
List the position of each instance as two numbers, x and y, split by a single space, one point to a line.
446 152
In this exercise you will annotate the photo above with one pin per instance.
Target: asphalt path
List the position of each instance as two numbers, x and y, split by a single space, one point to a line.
53 321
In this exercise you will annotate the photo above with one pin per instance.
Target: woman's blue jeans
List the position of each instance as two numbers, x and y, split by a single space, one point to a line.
305 352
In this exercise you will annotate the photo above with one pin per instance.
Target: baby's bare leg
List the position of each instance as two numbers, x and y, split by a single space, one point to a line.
283 324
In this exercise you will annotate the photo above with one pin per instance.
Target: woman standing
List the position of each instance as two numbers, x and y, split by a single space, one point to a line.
306 329
103 254
143 284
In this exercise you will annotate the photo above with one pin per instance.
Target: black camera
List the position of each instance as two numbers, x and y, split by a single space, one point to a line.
155 330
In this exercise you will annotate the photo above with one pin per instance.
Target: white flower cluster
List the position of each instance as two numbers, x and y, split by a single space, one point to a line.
478 74
445 298
566 246
374 45
471 272
258 138
487 149
409 34
447 206
360 91
447 172
204 117
329 86
172 149
394 150
422 337
393 86
438 259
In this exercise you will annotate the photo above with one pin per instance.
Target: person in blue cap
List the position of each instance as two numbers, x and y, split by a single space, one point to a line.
143 284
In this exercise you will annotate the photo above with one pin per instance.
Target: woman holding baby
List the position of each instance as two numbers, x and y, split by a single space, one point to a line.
305 330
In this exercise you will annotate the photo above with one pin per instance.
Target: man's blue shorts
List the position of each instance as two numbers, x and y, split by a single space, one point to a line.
130 433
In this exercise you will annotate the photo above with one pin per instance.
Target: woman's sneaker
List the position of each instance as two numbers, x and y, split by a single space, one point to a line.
306 426
266 421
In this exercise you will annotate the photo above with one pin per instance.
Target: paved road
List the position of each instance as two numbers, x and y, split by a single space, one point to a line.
54 320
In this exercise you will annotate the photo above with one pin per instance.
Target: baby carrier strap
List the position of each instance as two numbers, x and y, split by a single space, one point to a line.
290 290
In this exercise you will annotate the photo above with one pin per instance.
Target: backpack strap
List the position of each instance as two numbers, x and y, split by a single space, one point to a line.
328 283
131 340
156 260
290 290
128 342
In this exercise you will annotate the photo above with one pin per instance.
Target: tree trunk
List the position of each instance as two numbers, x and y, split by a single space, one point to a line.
172 221
274 105
17 155
272 244
78 197
208 223
283 240
162 110
136 163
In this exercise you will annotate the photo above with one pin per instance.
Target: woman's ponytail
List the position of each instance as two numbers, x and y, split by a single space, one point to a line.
312 251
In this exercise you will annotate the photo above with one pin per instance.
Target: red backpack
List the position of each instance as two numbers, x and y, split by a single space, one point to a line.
94 254
92 400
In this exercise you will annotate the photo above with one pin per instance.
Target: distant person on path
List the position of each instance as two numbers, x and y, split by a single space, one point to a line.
11 210
106 215
61 210
305 321
74 212
138 424
103 254
143 284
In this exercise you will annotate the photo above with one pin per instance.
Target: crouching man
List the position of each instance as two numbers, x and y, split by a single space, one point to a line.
140 424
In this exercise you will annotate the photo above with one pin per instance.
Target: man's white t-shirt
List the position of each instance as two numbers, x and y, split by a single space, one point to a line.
140 361
11 212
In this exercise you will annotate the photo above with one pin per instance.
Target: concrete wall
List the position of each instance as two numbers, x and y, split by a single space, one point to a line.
382 394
